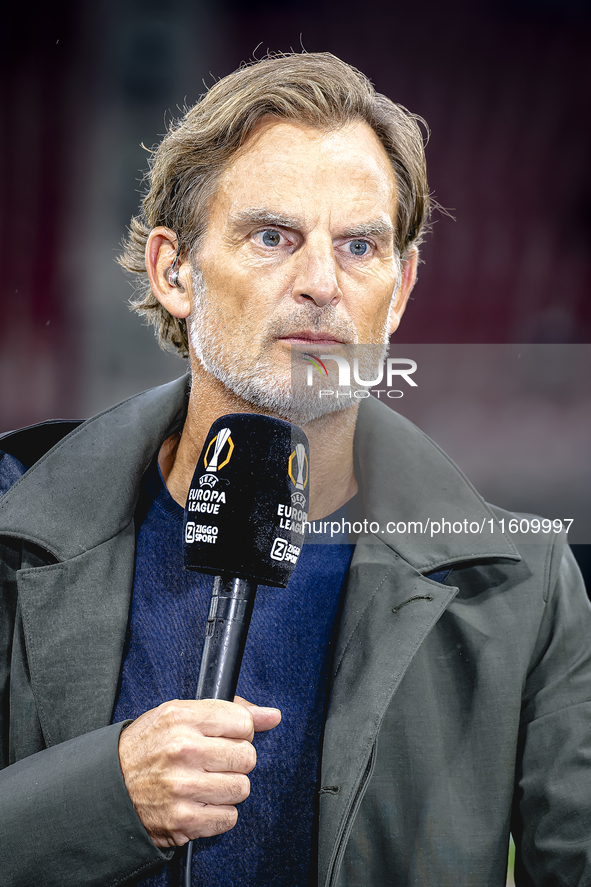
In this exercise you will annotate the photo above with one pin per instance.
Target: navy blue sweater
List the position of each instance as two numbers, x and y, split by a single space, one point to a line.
286 665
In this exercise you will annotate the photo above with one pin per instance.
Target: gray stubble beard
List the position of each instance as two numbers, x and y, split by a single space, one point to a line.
259 383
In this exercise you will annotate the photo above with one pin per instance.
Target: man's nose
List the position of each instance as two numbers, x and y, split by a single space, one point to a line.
316 275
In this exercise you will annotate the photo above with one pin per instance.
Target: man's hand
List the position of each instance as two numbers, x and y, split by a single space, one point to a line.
185 764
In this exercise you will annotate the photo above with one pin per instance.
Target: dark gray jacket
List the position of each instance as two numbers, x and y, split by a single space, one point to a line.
458 711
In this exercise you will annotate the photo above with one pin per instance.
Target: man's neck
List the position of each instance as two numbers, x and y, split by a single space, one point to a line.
332 479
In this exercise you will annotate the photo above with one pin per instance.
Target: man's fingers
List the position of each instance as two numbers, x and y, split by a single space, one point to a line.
216 717
263 718
195 822
212 717
220 718
227 756
221 788
214 821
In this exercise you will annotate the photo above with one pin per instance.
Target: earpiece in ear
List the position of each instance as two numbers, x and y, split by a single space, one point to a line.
172 275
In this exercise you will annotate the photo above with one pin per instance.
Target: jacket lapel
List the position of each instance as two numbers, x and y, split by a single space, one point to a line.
390 607
78 504
388 612
75 641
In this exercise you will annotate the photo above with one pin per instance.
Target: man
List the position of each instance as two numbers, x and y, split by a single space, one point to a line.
283 219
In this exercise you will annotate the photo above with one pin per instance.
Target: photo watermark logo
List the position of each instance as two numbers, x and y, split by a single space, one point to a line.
390 371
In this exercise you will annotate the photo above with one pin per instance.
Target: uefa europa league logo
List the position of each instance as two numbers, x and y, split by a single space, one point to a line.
301 460
221 438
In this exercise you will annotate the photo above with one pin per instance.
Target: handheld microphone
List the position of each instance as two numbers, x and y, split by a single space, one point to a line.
244 523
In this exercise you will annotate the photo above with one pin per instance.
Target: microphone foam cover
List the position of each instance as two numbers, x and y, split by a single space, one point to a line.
248 502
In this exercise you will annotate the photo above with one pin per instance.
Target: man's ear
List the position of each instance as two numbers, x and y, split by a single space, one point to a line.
160 256
409 276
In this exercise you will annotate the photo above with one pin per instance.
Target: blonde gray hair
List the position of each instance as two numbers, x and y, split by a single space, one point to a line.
316 89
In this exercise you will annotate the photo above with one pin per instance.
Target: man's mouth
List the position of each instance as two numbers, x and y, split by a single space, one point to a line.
307 338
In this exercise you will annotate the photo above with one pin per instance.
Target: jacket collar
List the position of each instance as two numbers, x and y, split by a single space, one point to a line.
408 482
404 478
95 470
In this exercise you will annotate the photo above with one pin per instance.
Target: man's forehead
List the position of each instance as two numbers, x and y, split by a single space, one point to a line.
288 172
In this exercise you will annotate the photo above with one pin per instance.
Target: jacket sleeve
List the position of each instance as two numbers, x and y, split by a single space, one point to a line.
552 810
66 819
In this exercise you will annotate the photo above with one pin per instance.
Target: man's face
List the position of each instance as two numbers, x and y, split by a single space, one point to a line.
298 255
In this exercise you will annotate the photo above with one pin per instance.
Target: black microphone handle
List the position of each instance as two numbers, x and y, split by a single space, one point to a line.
230 611
228 620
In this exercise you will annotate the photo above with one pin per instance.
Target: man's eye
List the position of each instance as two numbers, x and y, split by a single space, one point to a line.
358 247
271 238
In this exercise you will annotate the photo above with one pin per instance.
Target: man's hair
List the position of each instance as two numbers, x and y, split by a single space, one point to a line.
316 89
